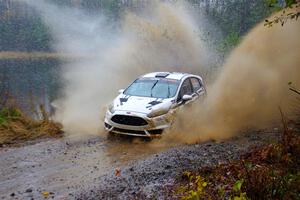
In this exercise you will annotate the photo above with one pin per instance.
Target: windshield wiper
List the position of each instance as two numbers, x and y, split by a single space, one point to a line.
153 87
168 89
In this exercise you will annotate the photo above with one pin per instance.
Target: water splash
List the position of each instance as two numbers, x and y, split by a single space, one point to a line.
251 87
163 38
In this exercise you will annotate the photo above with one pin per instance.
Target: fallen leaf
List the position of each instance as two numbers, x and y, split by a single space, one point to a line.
118 172
45 194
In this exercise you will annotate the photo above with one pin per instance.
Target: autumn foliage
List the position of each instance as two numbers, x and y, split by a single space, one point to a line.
266 172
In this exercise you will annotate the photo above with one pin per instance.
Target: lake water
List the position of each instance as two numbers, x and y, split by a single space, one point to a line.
30 82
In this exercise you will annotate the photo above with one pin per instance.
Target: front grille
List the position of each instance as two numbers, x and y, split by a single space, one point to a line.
129 131
129 120
156 131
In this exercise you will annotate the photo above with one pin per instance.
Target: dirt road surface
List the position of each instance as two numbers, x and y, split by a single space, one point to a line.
86 169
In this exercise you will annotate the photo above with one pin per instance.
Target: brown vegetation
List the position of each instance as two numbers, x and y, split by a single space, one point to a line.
268 172
16 128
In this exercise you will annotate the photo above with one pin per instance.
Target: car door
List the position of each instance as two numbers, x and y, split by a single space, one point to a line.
185 89
195 90
198 87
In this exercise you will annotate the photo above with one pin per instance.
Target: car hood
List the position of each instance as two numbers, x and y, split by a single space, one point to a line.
140 104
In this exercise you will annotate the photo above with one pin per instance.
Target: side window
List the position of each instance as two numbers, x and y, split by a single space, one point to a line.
196 84
186 88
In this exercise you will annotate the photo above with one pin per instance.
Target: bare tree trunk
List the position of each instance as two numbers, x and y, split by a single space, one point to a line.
7 4
44 114
207 6
4 89
244 14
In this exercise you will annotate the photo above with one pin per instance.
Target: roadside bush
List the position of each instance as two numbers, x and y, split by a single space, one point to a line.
267 172
15 127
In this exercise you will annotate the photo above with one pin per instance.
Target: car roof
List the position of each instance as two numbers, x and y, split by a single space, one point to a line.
171 75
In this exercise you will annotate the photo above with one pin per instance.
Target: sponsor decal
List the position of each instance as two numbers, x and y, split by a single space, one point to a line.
153 103
123 100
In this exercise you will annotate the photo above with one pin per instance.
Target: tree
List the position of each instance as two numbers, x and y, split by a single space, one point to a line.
286 14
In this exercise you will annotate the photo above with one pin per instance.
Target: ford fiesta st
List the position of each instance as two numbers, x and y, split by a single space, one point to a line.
147 106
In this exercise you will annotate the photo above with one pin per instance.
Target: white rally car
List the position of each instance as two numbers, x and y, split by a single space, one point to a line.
147 106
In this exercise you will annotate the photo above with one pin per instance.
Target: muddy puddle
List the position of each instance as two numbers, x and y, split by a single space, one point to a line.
124 149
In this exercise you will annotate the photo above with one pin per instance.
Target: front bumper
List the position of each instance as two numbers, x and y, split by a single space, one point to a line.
154 125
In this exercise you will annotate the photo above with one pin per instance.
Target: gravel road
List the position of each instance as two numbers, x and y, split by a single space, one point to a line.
86 169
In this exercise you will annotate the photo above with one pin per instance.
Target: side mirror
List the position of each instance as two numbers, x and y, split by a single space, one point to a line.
121 91
187 97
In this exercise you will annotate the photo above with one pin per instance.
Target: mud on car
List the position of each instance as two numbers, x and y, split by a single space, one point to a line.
147 106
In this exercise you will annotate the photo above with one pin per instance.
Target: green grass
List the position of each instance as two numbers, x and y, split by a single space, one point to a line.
8 114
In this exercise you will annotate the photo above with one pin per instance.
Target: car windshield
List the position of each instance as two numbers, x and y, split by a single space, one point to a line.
157 88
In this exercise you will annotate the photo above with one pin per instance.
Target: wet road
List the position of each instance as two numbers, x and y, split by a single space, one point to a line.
63 166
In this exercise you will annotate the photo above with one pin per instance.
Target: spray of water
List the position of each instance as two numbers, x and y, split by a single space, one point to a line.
248 91
163 38
251 87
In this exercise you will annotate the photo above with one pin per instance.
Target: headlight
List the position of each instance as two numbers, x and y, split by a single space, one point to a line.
156 113
111 108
